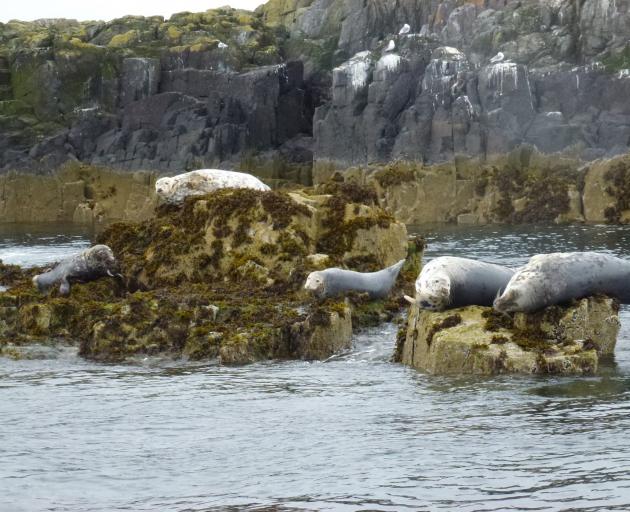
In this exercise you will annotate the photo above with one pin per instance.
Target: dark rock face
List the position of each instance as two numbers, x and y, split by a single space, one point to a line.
341 82
477 79
179 119
198 90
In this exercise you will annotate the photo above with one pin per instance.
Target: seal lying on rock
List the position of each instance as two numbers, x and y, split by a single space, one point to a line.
204 181
550 279
336 281
452 282
89 265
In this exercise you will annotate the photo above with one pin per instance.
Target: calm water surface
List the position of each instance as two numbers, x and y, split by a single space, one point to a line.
352 433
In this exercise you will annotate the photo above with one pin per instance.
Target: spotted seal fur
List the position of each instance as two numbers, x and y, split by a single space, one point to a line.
89 265
452 282
559 277
203 181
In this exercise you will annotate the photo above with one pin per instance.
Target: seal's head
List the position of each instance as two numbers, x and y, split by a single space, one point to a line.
433 291
102 261
164 188
316 283
37 284
523 291
516 297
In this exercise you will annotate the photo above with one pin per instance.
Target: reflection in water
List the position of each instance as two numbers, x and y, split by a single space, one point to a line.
352 433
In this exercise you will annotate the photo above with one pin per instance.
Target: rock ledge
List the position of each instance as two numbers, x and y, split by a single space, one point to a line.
475 340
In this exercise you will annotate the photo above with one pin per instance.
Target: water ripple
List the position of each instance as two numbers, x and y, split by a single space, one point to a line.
352 433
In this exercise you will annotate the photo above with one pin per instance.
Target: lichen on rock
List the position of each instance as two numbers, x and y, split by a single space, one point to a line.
563 340
220 276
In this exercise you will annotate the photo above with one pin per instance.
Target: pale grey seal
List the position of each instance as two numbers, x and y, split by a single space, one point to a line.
452 282
336 281
89 265
204 181
555 278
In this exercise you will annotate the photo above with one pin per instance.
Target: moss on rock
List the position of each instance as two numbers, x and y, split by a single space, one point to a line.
219 276
559 340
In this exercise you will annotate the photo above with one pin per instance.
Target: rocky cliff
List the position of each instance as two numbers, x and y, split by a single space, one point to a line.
427 80
334 83
144 93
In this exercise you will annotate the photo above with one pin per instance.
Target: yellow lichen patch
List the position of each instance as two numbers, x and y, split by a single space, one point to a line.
123 40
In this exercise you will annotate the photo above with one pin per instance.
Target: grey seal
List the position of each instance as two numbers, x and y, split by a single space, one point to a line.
336 281
204 181
453 282
89 265
559 277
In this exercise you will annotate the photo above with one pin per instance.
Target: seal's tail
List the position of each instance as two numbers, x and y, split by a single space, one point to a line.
396 267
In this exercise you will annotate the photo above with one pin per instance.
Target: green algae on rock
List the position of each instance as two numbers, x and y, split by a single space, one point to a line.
220 276
563 340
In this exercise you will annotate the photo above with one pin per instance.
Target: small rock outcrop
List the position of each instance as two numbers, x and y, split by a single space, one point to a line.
523 186
81 194
475 340
221 276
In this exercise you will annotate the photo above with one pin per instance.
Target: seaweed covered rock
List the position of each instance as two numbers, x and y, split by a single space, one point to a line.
220 277
524 186
264 237
559 340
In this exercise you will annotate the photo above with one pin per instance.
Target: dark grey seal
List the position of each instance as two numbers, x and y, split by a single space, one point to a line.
452 282
336 281
550 279
89 265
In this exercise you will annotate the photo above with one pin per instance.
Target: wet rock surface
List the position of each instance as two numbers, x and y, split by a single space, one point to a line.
221 276
562 340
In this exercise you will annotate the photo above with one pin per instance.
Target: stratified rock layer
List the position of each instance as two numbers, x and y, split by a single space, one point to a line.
323 82
475 340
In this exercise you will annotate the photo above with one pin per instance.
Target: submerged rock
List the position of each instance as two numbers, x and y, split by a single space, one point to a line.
475 340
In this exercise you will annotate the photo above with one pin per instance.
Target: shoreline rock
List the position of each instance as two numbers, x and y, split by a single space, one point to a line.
222 277
560 340
521 187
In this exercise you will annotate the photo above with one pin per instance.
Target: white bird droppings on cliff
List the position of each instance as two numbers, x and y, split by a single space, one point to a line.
389 62
357 69
391 46
222 45
501 72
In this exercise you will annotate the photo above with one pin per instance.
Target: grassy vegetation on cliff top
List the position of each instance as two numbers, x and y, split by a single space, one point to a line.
244 32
